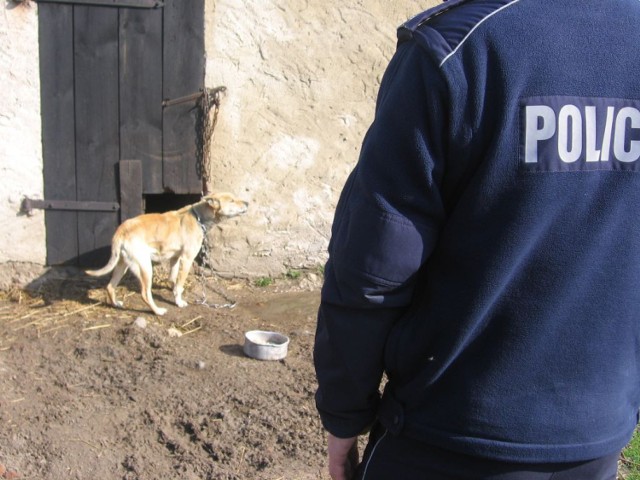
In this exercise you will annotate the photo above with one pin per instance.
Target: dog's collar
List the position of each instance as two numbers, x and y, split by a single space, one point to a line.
200 222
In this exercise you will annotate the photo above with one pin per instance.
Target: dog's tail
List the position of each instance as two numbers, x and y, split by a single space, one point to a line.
116 247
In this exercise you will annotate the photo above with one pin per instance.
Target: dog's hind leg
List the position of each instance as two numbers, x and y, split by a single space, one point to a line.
118 272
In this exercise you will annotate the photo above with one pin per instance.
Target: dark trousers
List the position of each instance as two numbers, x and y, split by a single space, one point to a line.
390 457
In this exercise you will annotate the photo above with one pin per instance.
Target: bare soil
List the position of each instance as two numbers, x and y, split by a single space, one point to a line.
92 392
89 392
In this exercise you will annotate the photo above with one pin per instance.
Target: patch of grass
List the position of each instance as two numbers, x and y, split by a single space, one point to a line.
293 274
263 282
631 458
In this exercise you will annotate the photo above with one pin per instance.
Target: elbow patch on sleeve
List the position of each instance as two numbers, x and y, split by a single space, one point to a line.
375 255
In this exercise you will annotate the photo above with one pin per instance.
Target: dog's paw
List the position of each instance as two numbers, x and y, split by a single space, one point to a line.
160 311
118 304
181 303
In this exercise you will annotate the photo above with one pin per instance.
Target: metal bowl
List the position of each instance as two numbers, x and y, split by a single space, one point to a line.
263 345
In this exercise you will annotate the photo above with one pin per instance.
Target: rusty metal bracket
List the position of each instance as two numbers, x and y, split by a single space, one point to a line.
111 3
29 204
177 101
213 93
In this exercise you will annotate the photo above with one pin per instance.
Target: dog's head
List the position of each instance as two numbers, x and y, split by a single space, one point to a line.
224 205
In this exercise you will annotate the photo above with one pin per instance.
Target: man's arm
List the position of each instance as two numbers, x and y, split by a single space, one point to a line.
386 225
343 457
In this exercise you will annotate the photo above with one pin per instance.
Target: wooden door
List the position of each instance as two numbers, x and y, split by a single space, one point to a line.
113 73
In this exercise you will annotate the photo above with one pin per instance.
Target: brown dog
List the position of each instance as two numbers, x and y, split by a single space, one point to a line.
176 236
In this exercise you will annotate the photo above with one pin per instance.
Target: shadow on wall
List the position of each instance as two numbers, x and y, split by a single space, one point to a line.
11 4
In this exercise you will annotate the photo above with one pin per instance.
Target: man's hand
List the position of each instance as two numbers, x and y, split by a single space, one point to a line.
343 457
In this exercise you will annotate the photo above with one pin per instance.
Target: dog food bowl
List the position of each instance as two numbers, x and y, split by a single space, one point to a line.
263 345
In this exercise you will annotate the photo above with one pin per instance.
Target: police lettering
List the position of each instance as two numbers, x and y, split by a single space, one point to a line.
578 132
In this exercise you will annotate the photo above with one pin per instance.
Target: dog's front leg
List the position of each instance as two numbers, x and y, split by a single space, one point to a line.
183 272
175 268
177 293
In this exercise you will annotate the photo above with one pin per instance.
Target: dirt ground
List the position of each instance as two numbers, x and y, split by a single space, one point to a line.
91 392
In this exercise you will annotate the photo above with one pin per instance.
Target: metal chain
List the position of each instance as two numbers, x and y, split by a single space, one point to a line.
206 263
205 126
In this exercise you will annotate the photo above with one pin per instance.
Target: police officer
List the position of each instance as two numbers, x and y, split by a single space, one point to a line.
485 251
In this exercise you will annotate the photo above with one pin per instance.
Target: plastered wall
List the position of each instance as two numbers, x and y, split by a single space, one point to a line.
301 78
22 239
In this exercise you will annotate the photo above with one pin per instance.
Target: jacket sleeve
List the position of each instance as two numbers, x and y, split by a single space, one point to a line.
385 227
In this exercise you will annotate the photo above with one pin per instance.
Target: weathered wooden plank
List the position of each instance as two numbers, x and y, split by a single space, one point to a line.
110 3
58 137
130 189
97 126
183 75
141 92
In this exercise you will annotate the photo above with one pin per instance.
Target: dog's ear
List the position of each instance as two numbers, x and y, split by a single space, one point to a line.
214 203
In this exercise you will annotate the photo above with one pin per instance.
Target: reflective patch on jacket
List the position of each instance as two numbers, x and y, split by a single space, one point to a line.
569 134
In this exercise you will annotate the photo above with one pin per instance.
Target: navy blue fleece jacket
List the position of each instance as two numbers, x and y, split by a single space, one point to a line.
485 251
